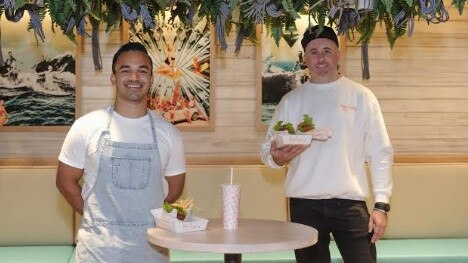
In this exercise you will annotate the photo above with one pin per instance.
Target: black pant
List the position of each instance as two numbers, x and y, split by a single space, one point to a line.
346 219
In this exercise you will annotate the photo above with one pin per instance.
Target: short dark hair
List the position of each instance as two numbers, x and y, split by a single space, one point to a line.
130 46
315 33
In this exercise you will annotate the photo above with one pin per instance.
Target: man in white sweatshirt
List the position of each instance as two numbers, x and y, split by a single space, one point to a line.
326 181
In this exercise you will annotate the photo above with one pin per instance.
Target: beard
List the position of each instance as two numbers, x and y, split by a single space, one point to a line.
135 97
133 94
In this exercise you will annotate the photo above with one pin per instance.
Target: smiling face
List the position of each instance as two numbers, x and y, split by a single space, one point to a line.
133 77
322 57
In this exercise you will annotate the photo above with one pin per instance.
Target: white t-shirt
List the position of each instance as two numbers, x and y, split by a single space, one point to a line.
79 149
335 168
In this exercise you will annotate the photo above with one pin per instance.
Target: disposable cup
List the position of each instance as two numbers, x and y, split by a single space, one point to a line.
231 203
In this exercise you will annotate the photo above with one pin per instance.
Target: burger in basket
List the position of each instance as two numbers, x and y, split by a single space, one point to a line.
178 218
306 127
183 207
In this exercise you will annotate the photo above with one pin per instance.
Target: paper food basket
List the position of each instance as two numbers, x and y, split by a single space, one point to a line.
283 138
292 139
170 222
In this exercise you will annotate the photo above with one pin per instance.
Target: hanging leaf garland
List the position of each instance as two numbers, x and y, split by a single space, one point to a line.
278 16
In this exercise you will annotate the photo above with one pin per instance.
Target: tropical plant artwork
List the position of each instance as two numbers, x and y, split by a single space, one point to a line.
37 80
182 92
283 68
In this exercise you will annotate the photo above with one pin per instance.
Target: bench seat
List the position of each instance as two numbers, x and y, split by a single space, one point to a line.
389 251
36 254
423 250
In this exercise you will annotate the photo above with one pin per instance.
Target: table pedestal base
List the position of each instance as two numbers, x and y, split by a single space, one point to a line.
232 258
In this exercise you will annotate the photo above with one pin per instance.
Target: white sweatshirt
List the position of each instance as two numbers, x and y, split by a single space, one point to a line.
336 168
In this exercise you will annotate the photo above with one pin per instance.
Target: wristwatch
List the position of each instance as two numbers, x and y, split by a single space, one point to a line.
383 207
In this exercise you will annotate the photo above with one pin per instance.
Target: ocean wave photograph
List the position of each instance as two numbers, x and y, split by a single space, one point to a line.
40 97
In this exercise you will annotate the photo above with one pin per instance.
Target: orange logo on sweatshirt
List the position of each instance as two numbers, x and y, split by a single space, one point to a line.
347 107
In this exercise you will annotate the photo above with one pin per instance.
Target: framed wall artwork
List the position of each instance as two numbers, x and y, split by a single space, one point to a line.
280 69
183 91
39 87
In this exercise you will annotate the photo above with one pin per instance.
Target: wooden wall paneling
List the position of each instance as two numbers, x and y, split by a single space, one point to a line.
258 82
423 118
432 105
433 147
421 92
30 145
421 86
420 83
243 160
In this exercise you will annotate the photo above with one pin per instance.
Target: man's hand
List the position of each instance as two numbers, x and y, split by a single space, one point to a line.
283 155
378 224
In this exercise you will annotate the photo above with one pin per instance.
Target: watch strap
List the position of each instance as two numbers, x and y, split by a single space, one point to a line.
383 207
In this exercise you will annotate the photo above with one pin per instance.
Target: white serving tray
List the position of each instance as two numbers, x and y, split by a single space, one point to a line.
292 139
284 138
170 222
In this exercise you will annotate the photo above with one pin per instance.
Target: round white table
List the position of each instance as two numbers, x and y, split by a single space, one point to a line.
252 236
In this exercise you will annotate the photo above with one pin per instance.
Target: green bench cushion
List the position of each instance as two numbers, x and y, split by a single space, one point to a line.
423 250
36 254
389 251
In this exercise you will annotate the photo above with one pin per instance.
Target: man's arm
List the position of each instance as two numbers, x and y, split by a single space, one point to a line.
379 153
176 186
67 182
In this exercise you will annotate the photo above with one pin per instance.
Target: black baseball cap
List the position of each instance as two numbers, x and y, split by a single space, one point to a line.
313 33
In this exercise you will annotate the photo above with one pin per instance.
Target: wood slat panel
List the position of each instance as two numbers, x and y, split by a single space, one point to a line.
236 105
422 92
240 92
417 41
246 52
379 79
203 160
430 146
415 67
427 132
460 106
230 119
421 84
429 53
242 80
423 118
230 68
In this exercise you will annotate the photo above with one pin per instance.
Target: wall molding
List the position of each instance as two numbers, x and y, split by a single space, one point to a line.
243 160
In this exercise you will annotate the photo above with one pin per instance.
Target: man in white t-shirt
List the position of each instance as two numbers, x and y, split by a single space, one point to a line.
130 160
326 181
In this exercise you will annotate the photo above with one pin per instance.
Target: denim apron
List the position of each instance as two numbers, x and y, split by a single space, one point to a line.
117 214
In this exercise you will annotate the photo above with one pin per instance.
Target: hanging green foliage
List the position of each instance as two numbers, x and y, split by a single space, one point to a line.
459 4
77 17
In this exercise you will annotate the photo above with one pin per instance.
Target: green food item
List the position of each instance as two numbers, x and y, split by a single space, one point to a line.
279 126
307 124
181 213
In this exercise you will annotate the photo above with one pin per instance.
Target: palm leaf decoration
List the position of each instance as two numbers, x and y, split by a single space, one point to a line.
367 27
459 4
278 16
